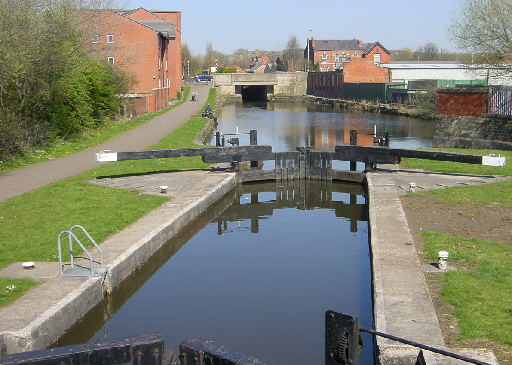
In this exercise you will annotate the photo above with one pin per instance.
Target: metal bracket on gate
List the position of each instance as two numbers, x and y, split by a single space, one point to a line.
343 342
205 352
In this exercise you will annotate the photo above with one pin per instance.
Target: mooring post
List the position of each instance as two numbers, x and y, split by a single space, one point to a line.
353 142
217 139
223 141
253 138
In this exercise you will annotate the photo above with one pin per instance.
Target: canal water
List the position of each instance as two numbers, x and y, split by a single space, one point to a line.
257 272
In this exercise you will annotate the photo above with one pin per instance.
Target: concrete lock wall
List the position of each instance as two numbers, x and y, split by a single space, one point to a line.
485 132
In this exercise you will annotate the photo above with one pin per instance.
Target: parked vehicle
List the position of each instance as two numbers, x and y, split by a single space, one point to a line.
203 77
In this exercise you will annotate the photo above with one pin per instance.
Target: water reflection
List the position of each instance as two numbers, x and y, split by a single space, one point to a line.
293 194
288 125
255 273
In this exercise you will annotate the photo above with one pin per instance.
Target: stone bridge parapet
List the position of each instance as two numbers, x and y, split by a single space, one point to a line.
278 83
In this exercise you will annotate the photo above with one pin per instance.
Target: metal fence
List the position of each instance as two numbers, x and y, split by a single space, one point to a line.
500 100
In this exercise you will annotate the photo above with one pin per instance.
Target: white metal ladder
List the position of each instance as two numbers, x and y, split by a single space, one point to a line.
76 269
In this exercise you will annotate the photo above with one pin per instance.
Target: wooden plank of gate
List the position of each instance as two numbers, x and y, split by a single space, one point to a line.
277 168
329 166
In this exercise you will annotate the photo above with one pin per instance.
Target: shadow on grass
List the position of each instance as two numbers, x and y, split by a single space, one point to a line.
425 172
153 173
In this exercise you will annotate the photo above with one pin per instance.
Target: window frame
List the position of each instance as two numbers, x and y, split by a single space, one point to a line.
110 38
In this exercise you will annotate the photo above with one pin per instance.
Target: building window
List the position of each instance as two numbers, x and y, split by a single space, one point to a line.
159 42
168 82
110 38
336 58
324 58
165 65
159 82
376 58
159 63
95 38
110 60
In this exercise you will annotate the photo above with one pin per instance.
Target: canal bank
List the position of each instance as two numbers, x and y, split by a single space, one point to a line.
45 313
402 304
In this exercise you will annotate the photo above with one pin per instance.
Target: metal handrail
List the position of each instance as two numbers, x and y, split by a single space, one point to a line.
71 237
90 239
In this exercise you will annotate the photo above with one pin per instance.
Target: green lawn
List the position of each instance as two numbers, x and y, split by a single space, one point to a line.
496 193
91 138
30 223
12 289
481 289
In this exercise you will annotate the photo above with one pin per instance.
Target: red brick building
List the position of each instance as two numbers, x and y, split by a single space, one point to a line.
333 55
146 44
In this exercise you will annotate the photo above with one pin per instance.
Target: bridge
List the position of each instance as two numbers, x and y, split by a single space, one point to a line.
261 86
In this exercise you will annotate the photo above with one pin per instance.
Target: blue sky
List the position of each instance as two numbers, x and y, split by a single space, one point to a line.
267 24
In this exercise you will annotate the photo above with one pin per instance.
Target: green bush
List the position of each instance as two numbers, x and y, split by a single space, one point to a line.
49 86
226 70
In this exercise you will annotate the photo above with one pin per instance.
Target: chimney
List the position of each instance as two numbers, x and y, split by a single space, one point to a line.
312 42
360 43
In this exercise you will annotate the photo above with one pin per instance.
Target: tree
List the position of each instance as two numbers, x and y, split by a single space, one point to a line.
429 51
49 86
292 55
484 28
208 57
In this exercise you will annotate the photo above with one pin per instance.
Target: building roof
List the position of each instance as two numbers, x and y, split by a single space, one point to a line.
369 46
165 28
329 45
346 44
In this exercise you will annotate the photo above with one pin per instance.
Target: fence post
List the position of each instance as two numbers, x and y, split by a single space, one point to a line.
217 139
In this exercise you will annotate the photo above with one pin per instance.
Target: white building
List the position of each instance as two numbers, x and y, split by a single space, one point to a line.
404 72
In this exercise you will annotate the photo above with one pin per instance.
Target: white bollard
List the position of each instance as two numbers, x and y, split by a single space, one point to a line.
443 259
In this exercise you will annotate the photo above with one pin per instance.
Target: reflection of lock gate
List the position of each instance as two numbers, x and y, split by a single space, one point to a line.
343 344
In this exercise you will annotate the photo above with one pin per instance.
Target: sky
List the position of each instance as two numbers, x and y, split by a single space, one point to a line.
268 24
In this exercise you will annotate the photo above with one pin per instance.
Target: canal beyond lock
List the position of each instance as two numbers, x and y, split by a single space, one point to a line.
257 272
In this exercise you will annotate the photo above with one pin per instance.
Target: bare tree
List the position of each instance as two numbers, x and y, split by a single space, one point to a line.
484 28
293 55
208 57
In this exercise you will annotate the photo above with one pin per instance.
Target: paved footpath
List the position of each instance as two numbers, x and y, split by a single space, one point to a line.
20 181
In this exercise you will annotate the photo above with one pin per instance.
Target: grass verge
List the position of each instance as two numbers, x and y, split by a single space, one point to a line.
87 140
12 289
497 193
30 223
481 289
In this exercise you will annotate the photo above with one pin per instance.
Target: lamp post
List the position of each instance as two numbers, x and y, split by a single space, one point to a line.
188 69
307 63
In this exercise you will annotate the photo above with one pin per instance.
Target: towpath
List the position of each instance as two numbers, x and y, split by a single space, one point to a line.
20 181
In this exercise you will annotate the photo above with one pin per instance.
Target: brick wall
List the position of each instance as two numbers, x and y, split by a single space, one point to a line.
384 56
331 57
142 52
364 70
174 57
462 103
